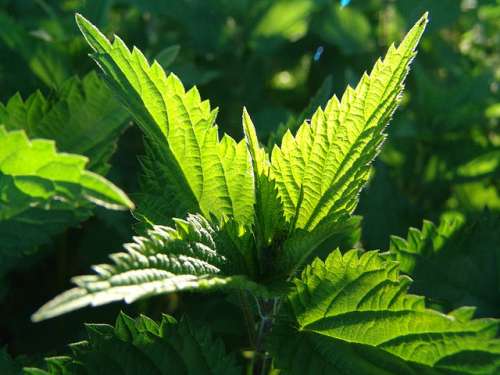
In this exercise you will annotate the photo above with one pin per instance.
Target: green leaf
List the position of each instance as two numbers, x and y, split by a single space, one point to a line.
205 174
470 251
352 315
84 118
302 246
269 218
195 255
320 172
423 243
33 174
142 346
42 191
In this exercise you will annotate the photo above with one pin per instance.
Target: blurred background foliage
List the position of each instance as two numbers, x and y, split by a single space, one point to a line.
441 160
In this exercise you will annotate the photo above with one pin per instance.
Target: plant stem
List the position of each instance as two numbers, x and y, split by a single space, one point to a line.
260 356
267 311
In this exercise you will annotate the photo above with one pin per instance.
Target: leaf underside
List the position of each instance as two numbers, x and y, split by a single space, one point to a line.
193 255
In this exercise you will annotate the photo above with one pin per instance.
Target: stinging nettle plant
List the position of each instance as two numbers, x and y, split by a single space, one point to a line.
227 215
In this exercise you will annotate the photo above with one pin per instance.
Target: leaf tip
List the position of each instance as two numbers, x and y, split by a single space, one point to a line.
79 17
35 317
424 19
81 21
92 34
422 22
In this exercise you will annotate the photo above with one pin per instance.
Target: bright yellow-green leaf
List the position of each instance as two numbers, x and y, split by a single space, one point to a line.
320 171
204 173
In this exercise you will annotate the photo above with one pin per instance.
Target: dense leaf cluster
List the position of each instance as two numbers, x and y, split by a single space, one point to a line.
269 225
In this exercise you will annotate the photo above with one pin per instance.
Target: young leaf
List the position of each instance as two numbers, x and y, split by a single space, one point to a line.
268 208
321 170
142 346
208 175
195 255
84 118
352 315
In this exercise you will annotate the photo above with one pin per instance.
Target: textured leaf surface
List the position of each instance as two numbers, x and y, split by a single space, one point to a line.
268 208
204 173
320 171
471 253
83 118
195 255
352 314
142 346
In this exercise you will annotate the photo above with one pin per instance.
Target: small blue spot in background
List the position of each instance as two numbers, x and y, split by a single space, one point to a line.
344 3
318 53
